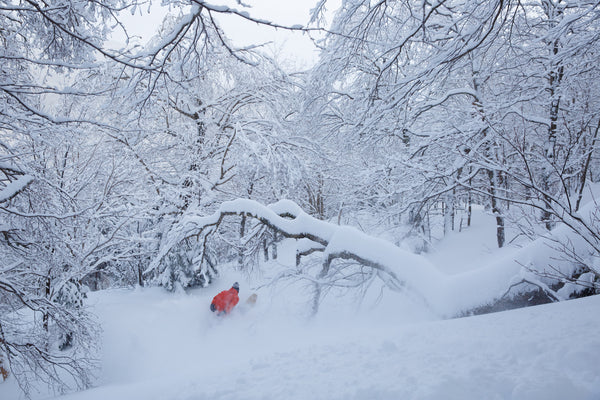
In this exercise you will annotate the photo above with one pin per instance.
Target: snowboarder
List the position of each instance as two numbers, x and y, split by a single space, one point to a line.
224 302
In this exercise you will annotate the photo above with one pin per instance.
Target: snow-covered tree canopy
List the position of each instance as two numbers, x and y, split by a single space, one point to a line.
151 163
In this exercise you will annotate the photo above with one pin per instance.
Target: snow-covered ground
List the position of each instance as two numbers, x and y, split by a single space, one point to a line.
471 248
162 346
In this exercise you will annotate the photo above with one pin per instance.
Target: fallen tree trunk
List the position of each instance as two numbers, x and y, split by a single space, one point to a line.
448 295
290 221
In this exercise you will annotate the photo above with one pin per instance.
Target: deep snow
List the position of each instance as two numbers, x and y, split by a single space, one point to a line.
162 346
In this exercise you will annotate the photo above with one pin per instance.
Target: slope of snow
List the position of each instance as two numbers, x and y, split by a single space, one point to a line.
170 347
472 247
157 345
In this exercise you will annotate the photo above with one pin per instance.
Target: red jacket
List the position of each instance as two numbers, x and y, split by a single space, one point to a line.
226 300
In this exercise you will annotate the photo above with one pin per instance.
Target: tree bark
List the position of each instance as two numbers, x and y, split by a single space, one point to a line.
500 237
586 167
242 248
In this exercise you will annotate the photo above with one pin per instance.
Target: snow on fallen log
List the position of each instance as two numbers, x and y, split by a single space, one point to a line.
448 295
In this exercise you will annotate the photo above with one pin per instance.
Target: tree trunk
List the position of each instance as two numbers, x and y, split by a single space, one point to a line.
140 275
140 267
274 246
241 249
448 214
555 76
496 209
3 363
298 258
469 207
316 299
46 316
586 167
318 289
265 250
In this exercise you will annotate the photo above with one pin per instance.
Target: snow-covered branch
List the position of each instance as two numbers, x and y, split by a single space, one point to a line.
15 187
399 269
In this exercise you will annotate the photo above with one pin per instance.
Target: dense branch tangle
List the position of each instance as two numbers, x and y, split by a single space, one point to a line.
68 31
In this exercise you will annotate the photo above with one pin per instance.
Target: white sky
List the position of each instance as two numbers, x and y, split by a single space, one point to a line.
291 46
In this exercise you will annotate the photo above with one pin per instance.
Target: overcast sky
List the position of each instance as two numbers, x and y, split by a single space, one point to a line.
287 45
284 12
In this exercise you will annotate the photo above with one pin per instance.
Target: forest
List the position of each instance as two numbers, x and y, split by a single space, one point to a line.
164 164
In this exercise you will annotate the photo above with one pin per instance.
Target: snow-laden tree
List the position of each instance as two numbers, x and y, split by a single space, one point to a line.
82 190
223 132
63 224
53 196
199 122
465 100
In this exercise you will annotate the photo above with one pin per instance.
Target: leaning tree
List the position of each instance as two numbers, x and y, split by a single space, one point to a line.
352 258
